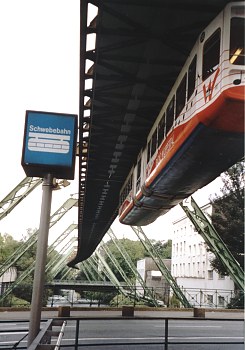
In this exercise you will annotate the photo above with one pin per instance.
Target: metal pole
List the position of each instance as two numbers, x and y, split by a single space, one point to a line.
41 255
166 335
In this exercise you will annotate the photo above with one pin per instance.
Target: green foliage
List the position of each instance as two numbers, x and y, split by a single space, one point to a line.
13 301
134 249
237 302
228 215
102 297
163 249
7 246
24 290
120 300
174 301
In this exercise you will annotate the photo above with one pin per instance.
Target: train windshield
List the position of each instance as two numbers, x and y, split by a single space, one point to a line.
237 56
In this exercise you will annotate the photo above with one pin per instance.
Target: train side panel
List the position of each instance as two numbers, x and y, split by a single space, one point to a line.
207 133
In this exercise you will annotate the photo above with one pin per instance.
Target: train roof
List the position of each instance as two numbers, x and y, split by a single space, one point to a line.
141 47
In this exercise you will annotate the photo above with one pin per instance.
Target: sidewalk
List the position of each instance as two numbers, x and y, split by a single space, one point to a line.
97 312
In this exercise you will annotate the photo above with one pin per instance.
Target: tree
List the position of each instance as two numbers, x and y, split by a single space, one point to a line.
228 215
163 249
7 246
134 249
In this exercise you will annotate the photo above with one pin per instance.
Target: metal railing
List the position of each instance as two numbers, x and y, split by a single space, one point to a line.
198 297
51 331
76 342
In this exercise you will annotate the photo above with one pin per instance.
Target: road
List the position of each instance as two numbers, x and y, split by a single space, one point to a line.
147 333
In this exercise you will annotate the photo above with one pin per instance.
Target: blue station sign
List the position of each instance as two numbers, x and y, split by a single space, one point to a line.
49 145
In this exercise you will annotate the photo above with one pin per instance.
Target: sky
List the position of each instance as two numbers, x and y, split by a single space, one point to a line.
39 70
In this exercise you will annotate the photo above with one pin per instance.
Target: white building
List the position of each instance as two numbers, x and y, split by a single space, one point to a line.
7 278
153 278
191 267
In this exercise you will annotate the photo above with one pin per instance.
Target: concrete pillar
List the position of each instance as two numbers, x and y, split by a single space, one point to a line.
198 312
64 311
128 310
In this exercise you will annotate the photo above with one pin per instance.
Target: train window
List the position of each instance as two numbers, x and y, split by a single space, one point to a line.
138 175
161 130
129 185
191 77
237 41
211 54
148 151
126 190
170 115
180 96
154 143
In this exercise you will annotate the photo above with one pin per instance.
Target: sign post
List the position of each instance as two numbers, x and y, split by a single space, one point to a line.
42 244
48 151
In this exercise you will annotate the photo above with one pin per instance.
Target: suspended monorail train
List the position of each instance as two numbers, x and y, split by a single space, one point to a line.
199 131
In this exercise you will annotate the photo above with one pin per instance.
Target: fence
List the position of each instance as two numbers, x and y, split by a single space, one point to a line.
207 298
77 337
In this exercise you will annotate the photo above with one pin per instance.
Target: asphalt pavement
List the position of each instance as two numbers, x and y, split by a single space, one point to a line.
147 330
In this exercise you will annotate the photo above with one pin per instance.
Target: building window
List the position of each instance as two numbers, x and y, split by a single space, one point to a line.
203 268
210 274
221 301
210 299
221 277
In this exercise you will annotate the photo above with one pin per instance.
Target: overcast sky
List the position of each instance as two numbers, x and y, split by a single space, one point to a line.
39 70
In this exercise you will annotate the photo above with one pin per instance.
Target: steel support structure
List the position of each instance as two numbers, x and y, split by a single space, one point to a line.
215 243
91 269
109 273
93 262
31 268
147 292
162 268
60 262
107 251
21 191
67 205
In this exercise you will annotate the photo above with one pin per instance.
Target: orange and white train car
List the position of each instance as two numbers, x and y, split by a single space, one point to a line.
199 131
